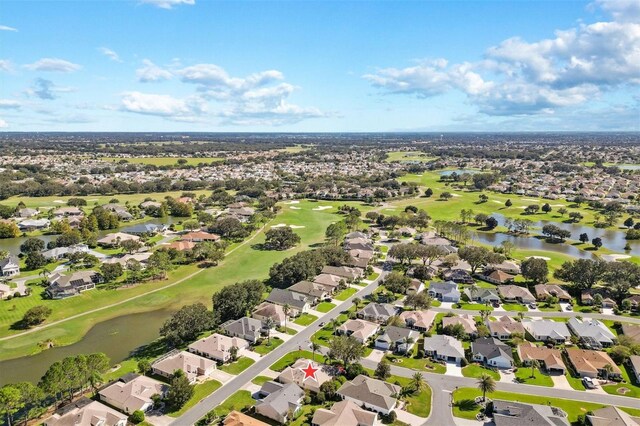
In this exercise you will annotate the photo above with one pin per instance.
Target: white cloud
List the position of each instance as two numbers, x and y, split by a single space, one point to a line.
6 65
520 77
3 124
162 105
7 28
110 54
9 104
53 65
168 4
150 72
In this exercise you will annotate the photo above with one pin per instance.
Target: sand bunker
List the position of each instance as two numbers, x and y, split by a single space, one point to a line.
320 208
456 195
613 257
538 257
530 199
58 201
293 202
280 225
294 208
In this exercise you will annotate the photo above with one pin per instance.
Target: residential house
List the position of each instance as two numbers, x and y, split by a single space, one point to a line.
119 211
114 239
612 416
632 331
511 413
504 327
236 418
543 291
86 412
218 347
459 276
68 211
147 204
361 330
492 352
418 320
61 286
446 291
346 273
298 303
481 294
547 330
496 276
64 252
415 286
281 402
467 321
634 363
181 245
27 213
398 339
634 301
123 260
329 282
132 392
200 236
377 312
372 394
269 310
344 413
295 374
444 348
242 213
313 291
193 366
508 266
9 266
587 298
145 229
593 334
514 293
33 224
589 363
246 328
550 359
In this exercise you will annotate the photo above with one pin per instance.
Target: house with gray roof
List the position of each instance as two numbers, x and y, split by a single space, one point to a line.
9 266
373 394
481 295
86 412
515 293
314 291
281 401
61 286
510 413
31 224
446 291
377 312
444 348
349 274
612 416
547 330
492 352
634 362
297 302
246 328
593 334
398 339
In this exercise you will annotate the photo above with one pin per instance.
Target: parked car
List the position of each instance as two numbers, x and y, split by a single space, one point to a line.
321 324
589 383
569 308
533 305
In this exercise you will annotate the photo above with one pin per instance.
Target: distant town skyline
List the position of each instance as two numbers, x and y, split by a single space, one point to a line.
319 66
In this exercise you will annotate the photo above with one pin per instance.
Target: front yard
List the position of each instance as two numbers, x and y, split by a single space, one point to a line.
346 293
292 357
305 319
477 370
237 401
523 375
237 367
265 346
422 364
200 392
325 307
630 388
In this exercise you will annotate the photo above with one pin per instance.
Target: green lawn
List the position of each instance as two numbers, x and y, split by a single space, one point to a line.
540 379
346 293
465 406
237 401
246 262
324 307
237 367
265 347
323 336
373 276
199 392
629 388
475 307
514 307
419 403
261 380
292 357
409 156
476 370
575 382
305 319
422 364
164 161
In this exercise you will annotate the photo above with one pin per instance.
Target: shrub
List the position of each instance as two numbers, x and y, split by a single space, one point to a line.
463 362
137 417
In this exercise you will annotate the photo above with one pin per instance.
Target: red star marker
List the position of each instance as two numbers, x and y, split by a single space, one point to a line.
310 372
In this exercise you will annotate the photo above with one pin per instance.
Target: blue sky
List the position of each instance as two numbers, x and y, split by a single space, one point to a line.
205 65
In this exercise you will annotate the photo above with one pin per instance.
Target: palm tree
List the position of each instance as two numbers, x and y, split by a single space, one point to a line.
486 384
406 342
286 309
417 381
334 325
314 347
356 302
269 323
608 369
535 364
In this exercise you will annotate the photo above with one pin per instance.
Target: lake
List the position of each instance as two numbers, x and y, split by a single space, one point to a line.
116 337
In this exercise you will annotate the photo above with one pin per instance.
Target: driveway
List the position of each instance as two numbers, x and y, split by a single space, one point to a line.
221 376
453 369
251 354
560 382
564 306
376 355
408 418
507 377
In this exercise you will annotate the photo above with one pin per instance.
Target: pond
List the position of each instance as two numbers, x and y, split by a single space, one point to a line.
611 238
117 338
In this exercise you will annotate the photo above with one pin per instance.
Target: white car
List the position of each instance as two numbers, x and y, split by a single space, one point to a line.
589 383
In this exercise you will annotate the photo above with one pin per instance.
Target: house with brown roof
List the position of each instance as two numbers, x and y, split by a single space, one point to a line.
193 366
360 329
632 331
132 392
348 274
200 236
218 347
236 418
543 291
418 320
86 412
181 245
269 310
295 374
514 293
496 276
549 359
588 363
504 327
344 413
468 323
612 416
372 394
313 291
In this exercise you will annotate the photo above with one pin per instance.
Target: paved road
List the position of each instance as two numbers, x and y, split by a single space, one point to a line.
300 340
543 314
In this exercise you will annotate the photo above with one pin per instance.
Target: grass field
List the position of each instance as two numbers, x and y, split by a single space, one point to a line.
475 370
409 156
164 161
540 379
266 347
324 307
630 388
305 319
292 357
237 401
346 293
237 367
199 392
247 262
261 380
